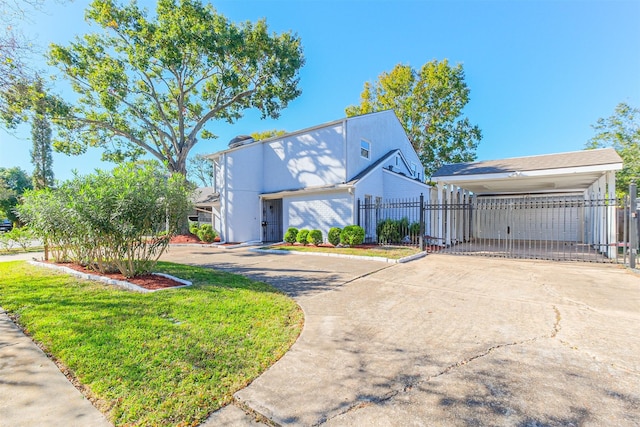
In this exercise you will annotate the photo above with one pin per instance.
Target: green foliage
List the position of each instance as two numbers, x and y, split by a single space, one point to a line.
334 235
388 232
206 233
622 132
314 237
13 183
110 220
429 103
164 359
22 236
291 235
302 236
193 228
200 170
352 235
151 82
259 136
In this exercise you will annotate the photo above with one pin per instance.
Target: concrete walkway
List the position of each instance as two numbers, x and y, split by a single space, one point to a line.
444 340
447 340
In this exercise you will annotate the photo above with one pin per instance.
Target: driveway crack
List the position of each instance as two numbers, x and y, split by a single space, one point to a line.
407 387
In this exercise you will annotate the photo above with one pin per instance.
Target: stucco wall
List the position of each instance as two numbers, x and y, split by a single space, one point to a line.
319 211
304 160
385 133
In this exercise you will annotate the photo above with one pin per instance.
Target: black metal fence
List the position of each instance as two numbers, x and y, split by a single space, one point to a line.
564 228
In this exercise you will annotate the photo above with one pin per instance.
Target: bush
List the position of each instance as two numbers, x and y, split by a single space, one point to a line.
388 231
193 228
206 233
352 235
22 236
302 236
314 237
334 235
110 221
291 235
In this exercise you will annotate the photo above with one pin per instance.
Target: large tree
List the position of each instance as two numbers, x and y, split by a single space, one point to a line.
622 132
41 156
151 84
429 103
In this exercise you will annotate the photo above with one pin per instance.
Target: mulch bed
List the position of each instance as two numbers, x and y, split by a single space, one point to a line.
147 281
189 238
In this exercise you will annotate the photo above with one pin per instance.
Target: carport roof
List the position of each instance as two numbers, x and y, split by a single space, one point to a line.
562 172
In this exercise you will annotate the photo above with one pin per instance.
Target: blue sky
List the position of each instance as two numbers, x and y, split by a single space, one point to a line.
540 72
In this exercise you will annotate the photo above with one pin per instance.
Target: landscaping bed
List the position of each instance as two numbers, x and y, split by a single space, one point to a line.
390 252
163 358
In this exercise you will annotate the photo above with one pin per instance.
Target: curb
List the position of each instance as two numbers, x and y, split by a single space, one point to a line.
359 257
123 284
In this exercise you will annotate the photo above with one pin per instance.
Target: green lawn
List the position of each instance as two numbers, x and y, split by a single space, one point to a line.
391 252
163 358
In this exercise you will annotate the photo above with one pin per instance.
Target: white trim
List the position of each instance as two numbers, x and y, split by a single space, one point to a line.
525 174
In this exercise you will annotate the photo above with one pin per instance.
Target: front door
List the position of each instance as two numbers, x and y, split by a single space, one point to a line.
272 220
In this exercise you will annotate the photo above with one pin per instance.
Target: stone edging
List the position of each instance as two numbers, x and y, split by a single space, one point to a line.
121 283
360 257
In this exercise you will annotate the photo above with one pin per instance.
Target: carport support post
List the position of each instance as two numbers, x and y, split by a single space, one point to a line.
633 225
422 227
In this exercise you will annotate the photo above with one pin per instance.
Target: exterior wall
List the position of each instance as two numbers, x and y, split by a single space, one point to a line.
385 133
303 160
239 193
549 219
319 211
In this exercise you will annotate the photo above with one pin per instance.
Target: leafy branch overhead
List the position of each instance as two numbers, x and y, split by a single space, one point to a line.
152 85
621 131
429 103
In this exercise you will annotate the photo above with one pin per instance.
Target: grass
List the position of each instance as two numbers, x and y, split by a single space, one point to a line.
163 358
391 252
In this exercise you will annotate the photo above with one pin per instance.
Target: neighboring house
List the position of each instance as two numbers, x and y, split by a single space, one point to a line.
565 197
312 178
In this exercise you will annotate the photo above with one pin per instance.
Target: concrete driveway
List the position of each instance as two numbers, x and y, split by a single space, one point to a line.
445 340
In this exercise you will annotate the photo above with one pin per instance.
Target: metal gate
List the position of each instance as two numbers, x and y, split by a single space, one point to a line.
562 228
272 220
551 227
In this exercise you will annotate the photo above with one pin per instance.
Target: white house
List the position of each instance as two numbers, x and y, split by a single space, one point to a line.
312 178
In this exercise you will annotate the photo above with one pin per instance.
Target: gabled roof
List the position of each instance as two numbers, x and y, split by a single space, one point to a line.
205 196
563 172
604 156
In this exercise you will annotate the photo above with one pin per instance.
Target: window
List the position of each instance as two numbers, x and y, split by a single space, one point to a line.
365 149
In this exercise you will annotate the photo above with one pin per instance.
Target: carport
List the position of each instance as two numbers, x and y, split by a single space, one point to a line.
557 206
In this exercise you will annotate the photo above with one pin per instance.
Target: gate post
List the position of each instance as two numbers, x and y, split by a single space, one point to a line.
422 227
633 225
358 213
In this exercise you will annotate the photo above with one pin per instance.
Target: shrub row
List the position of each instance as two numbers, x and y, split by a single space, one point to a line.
351 235
119 220
391 231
